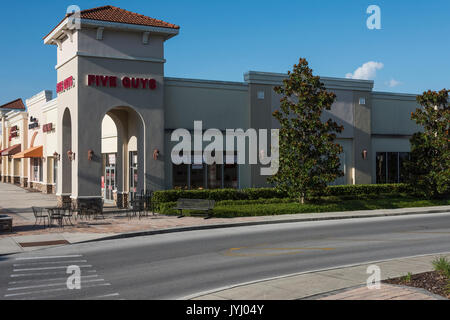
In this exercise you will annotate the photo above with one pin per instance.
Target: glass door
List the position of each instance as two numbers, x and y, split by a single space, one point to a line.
110 177
133 174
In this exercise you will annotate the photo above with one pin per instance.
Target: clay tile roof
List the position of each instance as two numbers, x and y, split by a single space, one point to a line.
118 15
16 104
114 14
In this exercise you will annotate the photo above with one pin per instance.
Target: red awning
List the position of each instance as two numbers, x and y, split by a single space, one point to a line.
11 150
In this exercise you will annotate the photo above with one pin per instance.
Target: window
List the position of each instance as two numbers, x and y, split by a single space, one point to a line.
55 170
180 179
390 167
215 176
203 176
37 169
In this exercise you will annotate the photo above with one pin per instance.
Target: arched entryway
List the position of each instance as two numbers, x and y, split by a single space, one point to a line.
123 155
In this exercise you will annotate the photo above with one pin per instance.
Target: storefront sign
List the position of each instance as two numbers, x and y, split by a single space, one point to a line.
34 123
124 82
65 85
47 127
13 132
112 159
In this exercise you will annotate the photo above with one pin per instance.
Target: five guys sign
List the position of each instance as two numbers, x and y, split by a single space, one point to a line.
64 85
125 82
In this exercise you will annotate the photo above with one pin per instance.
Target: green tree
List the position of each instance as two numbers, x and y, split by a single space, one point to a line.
309 156
429 165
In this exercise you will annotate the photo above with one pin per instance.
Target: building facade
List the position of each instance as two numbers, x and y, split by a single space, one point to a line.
107 133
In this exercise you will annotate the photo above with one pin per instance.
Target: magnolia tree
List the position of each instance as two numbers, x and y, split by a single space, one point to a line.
429 164
309 155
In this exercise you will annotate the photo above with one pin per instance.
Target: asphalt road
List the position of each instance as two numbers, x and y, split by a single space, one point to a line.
173 266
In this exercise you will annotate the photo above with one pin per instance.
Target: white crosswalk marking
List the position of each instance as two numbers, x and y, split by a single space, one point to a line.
45 280
47 262
46 277
49 268
49 257
50 285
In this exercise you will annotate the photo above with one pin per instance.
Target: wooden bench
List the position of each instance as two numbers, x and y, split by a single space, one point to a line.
195 204
6 221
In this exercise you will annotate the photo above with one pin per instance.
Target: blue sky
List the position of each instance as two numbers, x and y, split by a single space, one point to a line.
223 39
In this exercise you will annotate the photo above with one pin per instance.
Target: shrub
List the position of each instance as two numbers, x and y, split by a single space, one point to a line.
345 191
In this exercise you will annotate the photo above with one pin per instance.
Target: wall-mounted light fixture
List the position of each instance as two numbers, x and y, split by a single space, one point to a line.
364 154
90 154
71 155
156 154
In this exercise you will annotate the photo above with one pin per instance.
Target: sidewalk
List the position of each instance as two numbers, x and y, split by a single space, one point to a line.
346 283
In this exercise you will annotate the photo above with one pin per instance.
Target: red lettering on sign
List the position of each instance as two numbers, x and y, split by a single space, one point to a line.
135 82
152 84
113 82
126 82
91 79
144 83
104 80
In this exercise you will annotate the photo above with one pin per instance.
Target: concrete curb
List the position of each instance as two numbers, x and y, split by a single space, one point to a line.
317 271
256 223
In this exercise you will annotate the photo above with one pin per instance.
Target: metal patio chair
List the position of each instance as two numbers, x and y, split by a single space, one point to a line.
55 214
39 215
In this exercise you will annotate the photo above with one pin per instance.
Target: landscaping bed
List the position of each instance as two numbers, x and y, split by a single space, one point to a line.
437 281
433 282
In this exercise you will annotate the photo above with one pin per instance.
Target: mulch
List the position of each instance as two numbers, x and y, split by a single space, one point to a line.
433 282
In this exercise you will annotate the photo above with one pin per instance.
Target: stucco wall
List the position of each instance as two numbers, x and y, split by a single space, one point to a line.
218 104
391 113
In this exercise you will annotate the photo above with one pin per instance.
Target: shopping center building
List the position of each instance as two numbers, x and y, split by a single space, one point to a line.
106 134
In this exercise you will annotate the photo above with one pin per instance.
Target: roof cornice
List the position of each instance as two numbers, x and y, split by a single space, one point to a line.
62 26
276 79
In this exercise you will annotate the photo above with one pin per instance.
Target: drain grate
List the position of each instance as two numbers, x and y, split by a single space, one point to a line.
43 243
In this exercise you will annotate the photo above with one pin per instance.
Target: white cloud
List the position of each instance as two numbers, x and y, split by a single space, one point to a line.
367 71
393 83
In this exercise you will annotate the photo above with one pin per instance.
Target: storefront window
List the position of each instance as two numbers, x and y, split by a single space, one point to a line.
390 167
402 158
37 170
180 179
198 176
202 176
230 176
55 170
215 176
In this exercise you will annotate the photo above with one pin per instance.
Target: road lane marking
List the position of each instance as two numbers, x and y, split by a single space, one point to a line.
232 252
49 257
51 285
106 296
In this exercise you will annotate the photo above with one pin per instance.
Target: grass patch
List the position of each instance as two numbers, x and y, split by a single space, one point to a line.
407 277
442 265
262 207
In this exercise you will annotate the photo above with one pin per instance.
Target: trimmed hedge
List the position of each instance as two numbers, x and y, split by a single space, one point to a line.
271 193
